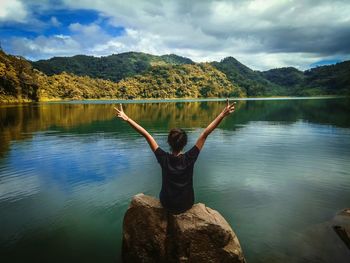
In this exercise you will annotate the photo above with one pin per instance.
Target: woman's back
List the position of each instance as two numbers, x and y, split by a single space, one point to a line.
177 193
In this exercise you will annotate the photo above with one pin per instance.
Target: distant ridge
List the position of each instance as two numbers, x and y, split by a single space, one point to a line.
135 75
251 81
288 81
20 82
114 67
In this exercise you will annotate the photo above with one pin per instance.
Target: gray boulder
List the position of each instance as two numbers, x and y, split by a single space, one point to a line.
341 225
201 234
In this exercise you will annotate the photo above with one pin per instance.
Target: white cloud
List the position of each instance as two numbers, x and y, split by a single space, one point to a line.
12 10
262 34
266 34
54 21
45 47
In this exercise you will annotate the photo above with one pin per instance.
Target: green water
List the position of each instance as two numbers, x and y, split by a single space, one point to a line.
277 170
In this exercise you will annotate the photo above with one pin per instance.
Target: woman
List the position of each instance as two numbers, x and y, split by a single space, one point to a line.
177 193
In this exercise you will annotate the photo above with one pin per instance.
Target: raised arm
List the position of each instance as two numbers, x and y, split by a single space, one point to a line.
225 112
151 141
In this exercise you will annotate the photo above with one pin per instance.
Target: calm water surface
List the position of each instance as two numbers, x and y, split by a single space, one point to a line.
278 170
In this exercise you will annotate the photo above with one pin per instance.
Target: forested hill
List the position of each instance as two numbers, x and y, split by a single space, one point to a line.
20 82
114 67
288 81
331 79
139 75
253 83
325 80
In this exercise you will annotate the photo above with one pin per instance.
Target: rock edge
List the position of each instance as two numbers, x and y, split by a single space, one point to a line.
201 234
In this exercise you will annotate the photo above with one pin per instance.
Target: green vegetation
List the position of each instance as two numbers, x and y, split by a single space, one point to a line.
113 67
324 80
200 80
139 75
251 81
20 82
333 79
287 77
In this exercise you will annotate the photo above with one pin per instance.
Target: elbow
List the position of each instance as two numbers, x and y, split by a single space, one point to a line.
204 134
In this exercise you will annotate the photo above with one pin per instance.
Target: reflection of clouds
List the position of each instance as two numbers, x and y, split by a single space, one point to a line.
16 187
276 157
267 177
73 178
73 160
90 165
257 184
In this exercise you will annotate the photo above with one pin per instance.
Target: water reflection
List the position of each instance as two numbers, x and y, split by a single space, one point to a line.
20 122
275 169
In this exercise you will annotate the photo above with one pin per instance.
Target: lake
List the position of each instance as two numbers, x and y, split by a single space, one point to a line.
277 169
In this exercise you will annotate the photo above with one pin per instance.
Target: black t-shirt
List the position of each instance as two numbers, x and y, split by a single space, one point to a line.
177 184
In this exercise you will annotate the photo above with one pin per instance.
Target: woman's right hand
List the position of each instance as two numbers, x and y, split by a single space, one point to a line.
121 114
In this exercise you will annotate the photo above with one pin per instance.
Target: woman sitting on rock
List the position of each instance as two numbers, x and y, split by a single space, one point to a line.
177 193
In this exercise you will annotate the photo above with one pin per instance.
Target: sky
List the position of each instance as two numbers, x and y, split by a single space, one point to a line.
262 34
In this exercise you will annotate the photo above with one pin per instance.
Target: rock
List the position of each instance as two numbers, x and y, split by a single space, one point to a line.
341 225
201 234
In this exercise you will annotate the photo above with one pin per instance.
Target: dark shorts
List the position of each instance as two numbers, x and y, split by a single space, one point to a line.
172 209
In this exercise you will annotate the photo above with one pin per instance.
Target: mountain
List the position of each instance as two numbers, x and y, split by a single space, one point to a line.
287 76
20 82
251 81
331 79
175 59
323 80
114 67
286 81
176 81
139 75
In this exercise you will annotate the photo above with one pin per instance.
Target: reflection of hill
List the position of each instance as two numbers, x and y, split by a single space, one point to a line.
320 111
20 122
200 114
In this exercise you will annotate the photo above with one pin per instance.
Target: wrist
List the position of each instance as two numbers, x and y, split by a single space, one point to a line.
222 114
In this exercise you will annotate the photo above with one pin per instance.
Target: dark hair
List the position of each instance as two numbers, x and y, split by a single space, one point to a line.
177 139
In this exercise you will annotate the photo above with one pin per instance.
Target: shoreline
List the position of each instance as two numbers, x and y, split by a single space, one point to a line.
162 100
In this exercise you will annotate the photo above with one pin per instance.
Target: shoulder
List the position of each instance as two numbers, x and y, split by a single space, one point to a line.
159 151
161 155
193 152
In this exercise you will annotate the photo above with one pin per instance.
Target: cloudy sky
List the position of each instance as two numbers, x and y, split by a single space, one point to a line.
262 34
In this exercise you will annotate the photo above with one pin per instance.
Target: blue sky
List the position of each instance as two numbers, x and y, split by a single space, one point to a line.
261 34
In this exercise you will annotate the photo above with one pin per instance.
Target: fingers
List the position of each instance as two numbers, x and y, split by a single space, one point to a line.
228 104
231 107
121 108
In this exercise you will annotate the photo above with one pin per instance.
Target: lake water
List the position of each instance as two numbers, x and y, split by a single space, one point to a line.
277 170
